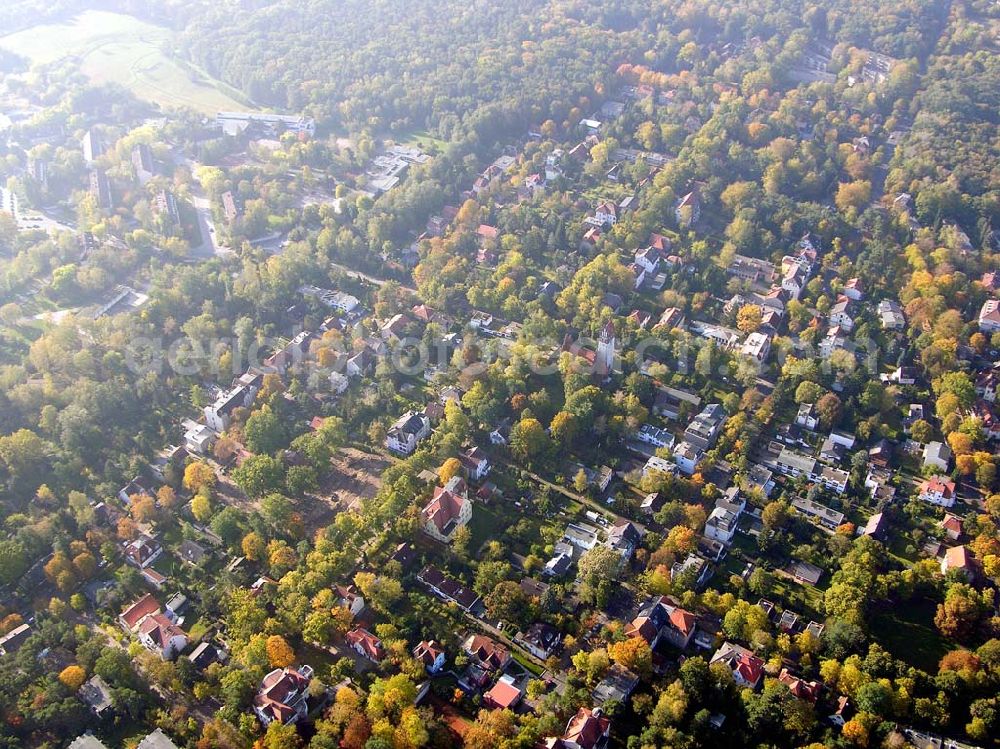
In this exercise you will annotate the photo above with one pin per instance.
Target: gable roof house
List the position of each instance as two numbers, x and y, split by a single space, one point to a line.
989 316
447 588
747 668
365 644
960 559
282 695
431 654
143 551
408 431
842 315
488 652
540 639
160 635
938 490
588 729
687 211
13 640
804 690
449 509
661 620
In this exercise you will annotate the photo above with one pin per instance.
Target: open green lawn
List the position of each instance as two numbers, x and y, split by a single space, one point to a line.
907 631
484 526
117 48
420 139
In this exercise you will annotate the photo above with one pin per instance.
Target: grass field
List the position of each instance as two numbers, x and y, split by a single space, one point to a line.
116 48
908 632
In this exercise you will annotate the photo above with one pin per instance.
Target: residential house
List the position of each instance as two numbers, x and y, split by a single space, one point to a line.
805 573
504 695
989 317
192 552
875 526
655 436
986 384
818 513
133 614
959 559
143 551
350 598
842 315
408 431
952 526
687 211
652 503
891 315
661 619
616 686
205 654
938 490
694 569
704 429
13 640
449 509
760 478
671 318
747 668
475 464
757 346
540 639
218 415
588 729
624 537
431 654
96 694
142 163
805 690
488 652
160 635
854 289
447 588
606 214
806 417
365 644
937 455
283 695
721 525
687 457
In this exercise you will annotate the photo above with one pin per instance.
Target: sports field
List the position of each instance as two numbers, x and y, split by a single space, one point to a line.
117 48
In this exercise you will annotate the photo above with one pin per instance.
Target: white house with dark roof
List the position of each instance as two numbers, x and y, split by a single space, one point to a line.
408 431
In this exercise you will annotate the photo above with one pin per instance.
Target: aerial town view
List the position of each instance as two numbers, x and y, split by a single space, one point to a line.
518 374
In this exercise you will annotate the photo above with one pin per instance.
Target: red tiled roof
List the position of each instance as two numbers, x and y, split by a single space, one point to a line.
586 729
750 667
160 629
503 695
275 689
369 643
139 610
443 508
957 558
804 690
683 620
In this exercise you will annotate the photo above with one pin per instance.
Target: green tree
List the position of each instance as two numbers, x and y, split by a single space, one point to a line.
598 569
259 474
